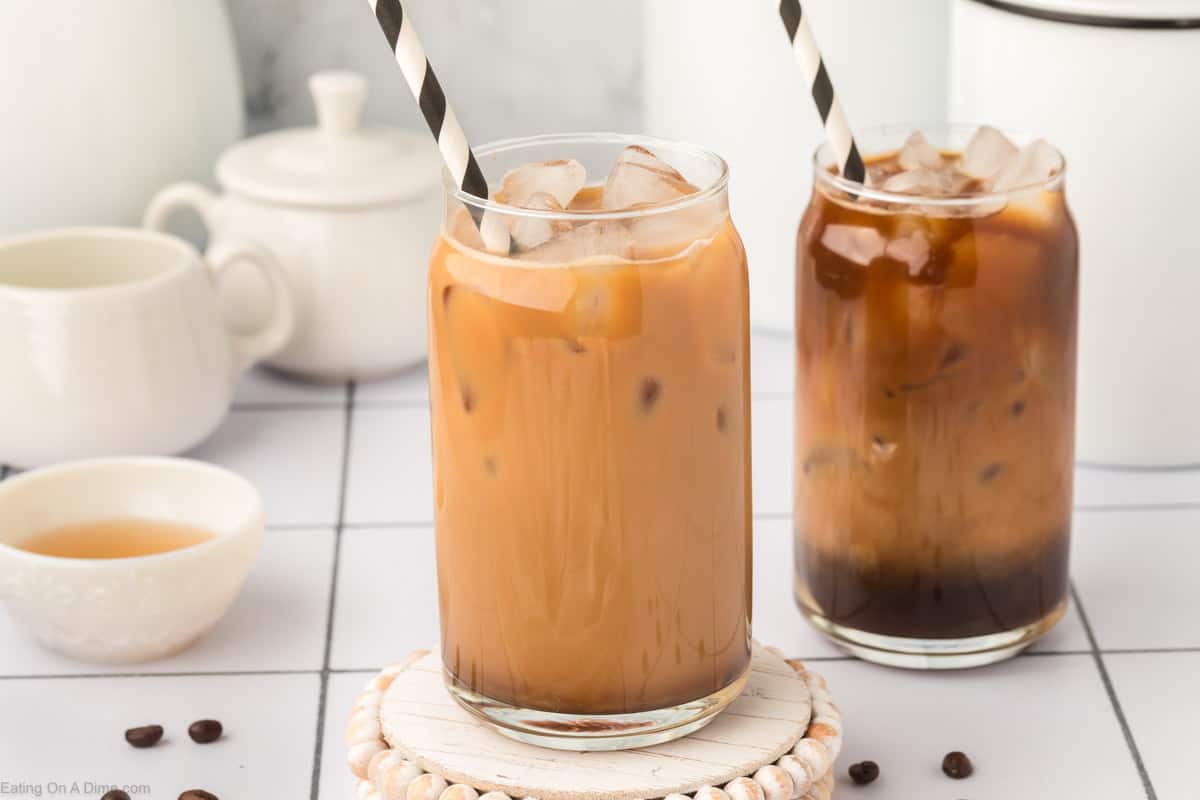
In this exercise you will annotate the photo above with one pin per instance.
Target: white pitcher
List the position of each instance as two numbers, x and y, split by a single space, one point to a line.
104 102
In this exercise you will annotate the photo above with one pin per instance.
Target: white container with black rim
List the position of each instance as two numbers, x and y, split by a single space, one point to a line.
1115 84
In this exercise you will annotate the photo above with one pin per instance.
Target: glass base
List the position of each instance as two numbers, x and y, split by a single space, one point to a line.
899 651
595 732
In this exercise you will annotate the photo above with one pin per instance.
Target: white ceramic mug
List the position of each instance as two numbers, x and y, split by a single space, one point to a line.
112 342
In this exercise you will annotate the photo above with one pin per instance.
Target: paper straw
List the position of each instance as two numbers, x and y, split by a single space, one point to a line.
833 116
425 88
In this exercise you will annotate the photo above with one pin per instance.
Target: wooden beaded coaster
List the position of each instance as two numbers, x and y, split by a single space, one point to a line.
409 740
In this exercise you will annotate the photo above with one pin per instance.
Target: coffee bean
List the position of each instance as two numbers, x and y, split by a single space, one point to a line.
864 772
145 736
115 794
957 765
204 731
651 389
197 794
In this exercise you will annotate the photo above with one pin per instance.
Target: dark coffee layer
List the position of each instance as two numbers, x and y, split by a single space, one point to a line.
932 602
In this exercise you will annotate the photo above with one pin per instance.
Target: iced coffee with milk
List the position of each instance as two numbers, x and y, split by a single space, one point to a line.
589 391
935 397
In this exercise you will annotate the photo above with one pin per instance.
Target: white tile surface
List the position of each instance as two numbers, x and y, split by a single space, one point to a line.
1095 487
266 387
1136 576
294 457
387 602
771 431
391 476
277 623
772 363
73 730
1035 728
410 387
777 620
1159 697
336 781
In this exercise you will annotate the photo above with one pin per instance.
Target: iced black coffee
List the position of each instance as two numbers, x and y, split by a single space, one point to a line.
935 403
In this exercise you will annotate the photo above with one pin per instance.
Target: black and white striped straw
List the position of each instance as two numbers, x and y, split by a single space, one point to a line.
833 116
424 85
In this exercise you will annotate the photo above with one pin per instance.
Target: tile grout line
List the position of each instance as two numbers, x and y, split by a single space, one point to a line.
1126 731
220 673
323 695
371 670
1179 506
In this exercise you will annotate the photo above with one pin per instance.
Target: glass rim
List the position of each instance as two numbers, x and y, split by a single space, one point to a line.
654 143
822 158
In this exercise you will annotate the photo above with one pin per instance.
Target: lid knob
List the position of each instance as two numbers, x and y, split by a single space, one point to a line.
339 97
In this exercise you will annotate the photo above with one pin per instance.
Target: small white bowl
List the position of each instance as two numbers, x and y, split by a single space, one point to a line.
127 610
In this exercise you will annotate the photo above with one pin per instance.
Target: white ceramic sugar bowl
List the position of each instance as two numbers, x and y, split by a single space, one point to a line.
351 213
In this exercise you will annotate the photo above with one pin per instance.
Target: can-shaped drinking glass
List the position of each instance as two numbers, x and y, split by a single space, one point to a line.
590 405
935 406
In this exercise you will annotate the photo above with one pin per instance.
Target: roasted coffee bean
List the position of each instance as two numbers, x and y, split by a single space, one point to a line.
864 772
197 794
651 389
115 794
957 765
145 736
204 731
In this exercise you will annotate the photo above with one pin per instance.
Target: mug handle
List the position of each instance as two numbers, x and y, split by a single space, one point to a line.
175 197
249 348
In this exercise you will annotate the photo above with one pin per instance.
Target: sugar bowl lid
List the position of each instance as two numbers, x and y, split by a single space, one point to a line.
336 164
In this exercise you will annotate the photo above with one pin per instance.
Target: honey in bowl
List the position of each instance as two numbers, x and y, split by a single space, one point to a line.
115 538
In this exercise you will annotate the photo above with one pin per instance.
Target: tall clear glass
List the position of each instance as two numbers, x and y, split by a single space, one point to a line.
590 408
935 414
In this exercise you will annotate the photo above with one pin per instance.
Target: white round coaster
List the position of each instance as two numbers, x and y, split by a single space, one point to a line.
409 740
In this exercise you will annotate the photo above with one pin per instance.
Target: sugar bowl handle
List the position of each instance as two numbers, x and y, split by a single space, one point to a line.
176 197
274 334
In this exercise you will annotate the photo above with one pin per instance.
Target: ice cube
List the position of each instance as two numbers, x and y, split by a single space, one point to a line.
583 241
530 232
560 179
856 244
661 235
640 178
988 152
494 230
1034 163
917 152
920 181
912 251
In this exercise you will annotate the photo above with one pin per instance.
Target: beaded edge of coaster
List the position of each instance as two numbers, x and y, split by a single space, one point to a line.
806 773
